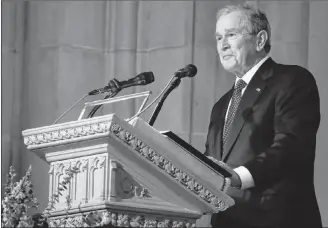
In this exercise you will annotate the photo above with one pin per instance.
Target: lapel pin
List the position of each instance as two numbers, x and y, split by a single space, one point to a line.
258 89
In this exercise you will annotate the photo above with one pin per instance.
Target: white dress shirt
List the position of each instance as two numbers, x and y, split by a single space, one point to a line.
246 177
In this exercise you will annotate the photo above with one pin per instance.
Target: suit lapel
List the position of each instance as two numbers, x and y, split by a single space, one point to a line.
220 124
254 89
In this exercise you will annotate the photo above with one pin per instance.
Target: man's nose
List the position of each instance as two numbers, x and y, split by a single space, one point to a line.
224 44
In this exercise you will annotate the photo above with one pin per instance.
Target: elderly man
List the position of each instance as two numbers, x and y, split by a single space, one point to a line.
264 128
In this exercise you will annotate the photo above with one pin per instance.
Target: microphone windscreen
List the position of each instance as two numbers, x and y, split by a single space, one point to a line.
149 77
144 78
191 70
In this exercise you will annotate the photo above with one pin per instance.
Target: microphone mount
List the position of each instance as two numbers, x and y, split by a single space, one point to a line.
114 87
188 71
95 109
174 84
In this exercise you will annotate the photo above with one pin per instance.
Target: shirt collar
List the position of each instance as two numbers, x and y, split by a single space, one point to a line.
249 75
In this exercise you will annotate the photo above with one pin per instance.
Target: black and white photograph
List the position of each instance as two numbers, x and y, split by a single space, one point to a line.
192 113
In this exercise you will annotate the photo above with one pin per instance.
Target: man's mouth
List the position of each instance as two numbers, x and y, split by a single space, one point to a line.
226 56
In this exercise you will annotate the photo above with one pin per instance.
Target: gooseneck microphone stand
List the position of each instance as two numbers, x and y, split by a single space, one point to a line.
95 109
174 84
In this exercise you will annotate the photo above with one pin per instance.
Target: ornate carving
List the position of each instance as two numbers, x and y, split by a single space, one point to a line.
144 193
150 222
167 166
51 169
127 187
94 161
101 162
75 164
74 222
84 165
77 221
137 221
54 222
109 218
69 133
98 162
59 168
165 223
123 220
67 166
106 218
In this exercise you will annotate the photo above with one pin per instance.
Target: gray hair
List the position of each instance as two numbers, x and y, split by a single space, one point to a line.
254 20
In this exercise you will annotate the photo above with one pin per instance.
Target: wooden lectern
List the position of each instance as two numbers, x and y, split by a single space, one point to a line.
130 174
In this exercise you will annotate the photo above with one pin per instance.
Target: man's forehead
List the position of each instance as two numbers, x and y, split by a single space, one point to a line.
229 22
222 30
231 16
227 30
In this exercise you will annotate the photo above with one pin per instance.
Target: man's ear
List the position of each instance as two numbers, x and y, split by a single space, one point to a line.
261 39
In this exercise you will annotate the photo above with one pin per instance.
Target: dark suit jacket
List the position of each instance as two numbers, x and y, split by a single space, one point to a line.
274 136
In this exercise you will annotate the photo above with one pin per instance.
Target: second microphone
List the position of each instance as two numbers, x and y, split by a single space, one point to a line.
144 78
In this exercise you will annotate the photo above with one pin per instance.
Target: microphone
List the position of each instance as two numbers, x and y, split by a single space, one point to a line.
144 78
188 71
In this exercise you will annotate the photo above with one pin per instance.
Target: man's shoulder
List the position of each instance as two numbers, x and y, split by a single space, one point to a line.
292 69
293 73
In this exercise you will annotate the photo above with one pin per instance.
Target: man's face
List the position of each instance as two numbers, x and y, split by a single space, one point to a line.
236 47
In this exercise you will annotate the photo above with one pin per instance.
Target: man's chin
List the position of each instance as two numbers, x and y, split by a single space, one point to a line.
228 67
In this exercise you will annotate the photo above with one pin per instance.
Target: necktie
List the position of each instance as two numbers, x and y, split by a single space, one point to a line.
235 99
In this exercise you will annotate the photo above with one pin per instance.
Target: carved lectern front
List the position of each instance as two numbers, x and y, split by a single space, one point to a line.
129 173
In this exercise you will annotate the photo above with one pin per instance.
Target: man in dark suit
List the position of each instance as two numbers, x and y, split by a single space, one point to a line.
264 128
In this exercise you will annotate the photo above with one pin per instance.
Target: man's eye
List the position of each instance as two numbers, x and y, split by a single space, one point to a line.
218 38
231 34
